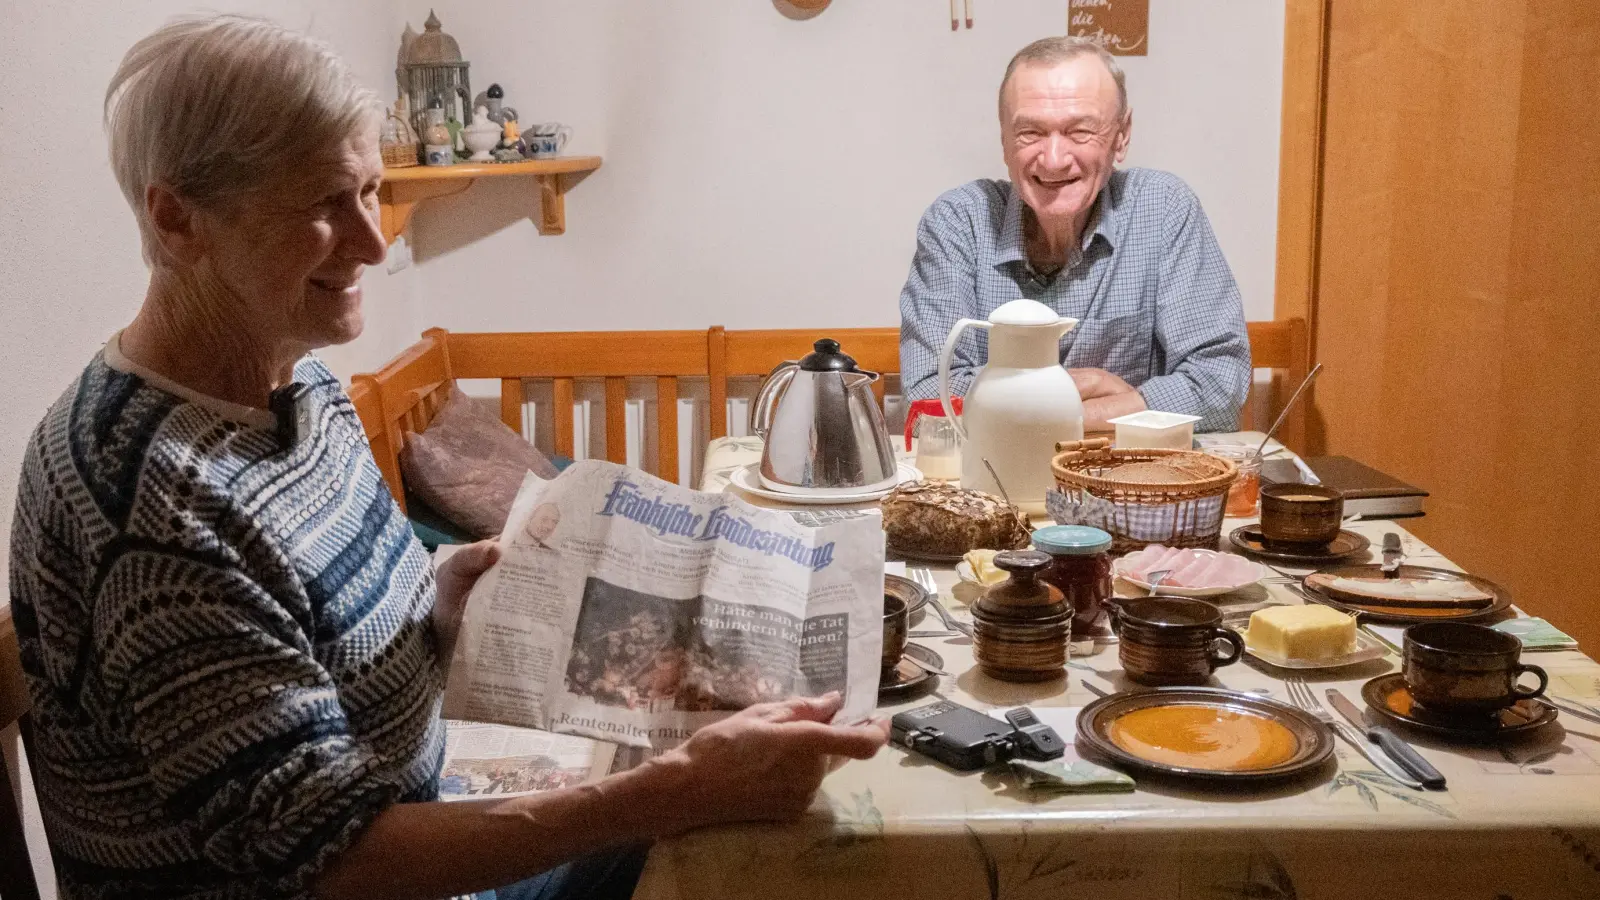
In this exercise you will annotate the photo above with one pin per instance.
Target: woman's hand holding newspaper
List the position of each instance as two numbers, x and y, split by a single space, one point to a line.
762 764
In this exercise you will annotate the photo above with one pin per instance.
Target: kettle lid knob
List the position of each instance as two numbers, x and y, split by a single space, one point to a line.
825 356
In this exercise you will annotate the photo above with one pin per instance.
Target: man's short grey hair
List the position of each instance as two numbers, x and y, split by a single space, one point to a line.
219 107
1053 51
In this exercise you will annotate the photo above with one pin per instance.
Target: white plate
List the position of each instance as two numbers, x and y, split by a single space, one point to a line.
1367 648
748 479
1176 591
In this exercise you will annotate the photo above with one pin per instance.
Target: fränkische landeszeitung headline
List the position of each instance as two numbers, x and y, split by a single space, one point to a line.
679 519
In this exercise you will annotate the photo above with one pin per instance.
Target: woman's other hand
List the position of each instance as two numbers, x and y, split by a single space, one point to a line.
764 763
455 579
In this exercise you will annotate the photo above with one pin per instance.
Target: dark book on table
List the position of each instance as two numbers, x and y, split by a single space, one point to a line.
1367 491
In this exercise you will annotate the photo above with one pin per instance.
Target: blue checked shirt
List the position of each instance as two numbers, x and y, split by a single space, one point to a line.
1156 302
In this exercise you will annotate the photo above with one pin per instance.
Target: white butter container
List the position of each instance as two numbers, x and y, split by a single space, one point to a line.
1156 430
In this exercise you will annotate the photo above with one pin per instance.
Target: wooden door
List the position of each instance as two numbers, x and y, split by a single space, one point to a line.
1441 230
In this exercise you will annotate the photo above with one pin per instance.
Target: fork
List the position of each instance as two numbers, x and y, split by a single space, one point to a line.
924 577
1301 695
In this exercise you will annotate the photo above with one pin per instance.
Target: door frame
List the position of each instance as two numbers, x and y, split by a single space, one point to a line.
1300 160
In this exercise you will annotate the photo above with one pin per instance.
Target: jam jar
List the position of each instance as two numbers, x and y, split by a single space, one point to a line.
1080 568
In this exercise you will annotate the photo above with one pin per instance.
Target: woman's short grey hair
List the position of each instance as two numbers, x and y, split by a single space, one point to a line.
1053 51
216 108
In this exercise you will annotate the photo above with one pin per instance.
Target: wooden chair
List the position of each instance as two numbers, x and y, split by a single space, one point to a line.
16 865
1283 346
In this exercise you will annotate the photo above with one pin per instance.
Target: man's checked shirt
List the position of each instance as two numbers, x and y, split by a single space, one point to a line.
1156 302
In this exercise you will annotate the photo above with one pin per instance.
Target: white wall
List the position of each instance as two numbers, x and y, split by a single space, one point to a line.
764 172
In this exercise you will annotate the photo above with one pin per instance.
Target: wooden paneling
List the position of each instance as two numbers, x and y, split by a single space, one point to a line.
1458 278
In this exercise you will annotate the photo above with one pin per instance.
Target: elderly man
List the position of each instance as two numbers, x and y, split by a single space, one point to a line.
1127 252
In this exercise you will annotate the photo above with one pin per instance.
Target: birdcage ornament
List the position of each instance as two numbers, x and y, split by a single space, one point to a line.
430 66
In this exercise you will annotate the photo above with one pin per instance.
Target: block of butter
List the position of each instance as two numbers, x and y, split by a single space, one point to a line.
1302 632
983 567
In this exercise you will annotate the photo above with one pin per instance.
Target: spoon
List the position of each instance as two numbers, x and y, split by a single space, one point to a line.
992 474
1312 376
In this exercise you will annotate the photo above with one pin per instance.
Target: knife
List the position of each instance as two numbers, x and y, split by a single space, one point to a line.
1391 555
1398 750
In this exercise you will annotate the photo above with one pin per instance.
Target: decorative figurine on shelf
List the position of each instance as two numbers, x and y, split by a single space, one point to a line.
438 147
482 137
493 100
511 147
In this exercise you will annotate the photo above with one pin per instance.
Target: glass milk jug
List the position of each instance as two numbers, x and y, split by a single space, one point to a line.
938 442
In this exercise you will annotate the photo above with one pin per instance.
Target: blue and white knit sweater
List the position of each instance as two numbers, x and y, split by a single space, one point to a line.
227 641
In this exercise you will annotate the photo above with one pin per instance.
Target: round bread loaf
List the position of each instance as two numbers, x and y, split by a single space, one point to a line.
938 519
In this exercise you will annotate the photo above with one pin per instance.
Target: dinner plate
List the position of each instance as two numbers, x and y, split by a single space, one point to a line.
1347 544
1202 592
1375 610
909 678
1204 734
1367 648
748 479
1389 699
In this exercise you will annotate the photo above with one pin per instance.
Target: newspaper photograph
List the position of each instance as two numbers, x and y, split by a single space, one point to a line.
497 760
632 610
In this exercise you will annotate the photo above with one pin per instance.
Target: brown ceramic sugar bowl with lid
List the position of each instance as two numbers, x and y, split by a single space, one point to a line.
1021 625
1172 640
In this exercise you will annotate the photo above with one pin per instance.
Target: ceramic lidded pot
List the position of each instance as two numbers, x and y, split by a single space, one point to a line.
482 136
1021 626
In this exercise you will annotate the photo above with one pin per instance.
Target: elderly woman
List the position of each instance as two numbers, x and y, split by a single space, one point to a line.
231 637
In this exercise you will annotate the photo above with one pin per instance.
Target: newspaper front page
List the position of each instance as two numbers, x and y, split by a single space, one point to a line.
632 610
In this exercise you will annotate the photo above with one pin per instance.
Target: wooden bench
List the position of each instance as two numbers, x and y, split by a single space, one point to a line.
402 397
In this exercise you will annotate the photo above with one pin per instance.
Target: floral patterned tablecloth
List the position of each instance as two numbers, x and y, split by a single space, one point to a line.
1519 820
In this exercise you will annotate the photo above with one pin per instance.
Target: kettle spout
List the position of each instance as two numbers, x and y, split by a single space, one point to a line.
1065 325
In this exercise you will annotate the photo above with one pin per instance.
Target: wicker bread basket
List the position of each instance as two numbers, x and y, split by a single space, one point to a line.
1141 497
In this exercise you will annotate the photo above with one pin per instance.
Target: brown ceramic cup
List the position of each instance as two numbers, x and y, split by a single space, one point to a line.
1300 514
896 622
1172 640
1454 668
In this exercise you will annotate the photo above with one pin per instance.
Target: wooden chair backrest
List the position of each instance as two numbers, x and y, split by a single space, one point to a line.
564 357
1285 347
16 865
404 395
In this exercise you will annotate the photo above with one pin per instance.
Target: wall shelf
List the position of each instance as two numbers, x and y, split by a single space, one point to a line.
403 189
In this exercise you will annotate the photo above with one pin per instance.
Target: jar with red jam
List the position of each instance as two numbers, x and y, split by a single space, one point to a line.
1080 568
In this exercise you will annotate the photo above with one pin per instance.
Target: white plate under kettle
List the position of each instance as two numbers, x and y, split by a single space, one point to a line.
748 479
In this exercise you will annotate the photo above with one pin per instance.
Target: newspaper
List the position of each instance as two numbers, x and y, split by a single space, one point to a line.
631 610
498 760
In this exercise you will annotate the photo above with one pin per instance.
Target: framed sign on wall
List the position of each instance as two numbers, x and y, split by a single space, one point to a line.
1120 26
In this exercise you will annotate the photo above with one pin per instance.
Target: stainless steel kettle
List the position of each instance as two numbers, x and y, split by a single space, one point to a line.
822 426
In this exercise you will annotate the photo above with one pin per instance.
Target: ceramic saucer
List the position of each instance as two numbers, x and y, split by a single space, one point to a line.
1389 699
1248 538
908 677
